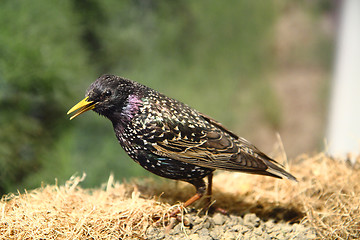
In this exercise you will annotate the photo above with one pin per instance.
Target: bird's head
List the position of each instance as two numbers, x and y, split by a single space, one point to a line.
105 96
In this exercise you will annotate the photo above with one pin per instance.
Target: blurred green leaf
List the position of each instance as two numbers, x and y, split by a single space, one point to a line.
209 54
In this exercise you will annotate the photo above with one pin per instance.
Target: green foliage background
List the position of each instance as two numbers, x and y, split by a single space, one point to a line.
209 54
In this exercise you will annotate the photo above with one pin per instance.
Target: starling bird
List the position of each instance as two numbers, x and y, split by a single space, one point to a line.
170 139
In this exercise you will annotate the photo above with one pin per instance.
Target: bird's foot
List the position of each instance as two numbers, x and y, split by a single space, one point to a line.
221 210
176 218
173 222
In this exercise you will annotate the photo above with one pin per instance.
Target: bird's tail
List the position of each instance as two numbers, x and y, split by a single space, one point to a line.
277 169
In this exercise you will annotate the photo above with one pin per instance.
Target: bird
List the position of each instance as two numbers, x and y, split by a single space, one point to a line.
171 139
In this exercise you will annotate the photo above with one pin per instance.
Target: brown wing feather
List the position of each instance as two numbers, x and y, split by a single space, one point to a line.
212 147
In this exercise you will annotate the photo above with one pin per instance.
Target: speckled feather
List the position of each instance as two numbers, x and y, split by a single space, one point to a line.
170 139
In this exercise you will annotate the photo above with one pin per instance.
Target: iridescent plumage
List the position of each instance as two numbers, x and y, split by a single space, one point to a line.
170 139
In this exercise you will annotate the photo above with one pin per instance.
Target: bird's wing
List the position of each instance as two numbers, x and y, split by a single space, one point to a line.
212 146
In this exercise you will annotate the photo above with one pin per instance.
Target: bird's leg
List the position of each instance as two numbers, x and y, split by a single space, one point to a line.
209 188
209 191
209 195
200 190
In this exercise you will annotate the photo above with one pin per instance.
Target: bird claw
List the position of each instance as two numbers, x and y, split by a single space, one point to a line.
174 220
221 211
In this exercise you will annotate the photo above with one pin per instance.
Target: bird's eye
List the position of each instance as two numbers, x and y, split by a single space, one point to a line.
107 93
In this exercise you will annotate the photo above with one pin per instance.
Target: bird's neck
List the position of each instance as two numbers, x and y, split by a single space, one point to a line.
127 113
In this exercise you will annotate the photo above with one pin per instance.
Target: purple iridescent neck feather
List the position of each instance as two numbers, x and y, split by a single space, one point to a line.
129 110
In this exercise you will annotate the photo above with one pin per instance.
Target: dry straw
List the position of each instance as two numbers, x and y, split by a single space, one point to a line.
326 198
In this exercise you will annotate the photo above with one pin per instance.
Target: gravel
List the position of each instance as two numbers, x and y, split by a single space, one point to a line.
221 227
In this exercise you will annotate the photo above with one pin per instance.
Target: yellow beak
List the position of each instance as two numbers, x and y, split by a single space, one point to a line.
83 106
